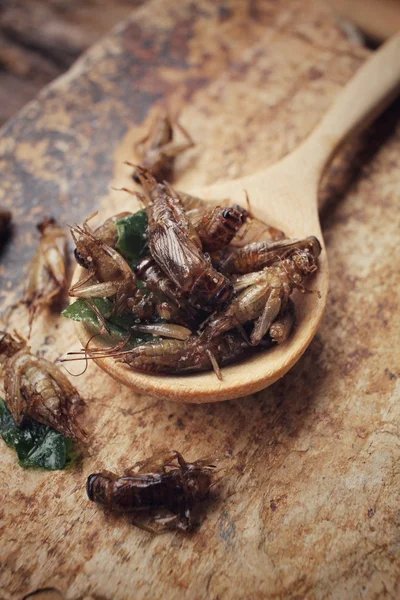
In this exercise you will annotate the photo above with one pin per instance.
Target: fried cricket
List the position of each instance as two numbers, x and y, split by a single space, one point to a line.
263 295
158 149
176 247
282 327
164 490
195 354
108 273
258 255
216 228
36 388
170 304
47 273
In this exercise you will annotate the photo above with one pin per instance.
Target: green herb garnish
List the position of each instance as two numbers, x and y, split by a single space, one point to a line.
121 325
132 237
36 445
80 310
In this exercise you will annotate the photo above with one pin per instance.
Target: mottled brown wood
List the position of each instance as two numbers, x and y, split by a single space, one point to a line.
378 19
309 505
40 39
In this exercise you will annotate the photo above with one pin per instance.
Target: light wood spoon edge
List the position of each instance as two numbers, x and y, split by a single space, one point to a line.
291 189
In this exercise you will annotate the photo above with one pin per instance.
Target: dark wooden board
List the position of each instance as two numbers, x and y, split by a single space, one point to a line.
40 39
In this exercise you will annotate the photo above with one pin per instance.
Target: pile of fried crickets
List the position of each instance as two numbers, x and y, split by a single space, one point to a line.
209 285
209 299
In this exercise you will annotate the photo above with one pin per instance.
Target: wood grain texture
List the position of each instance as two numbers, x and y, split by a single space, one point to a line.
378 19
40 39
309 507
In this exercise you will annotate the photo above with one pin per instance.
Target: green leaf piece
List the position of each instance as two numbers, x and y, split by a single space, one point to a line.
36 445
80 310
132 237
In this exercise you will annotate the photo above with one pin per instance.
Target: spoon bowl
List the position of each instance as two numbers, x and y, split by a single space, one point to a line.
284 196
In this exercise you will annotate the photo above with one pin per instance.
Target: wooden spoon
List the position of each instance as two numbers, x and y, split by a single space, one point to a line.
285 196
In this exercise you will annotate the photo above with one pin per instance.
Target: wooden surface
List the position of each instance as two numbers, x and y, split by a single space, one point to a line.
309 505
378 19
40 39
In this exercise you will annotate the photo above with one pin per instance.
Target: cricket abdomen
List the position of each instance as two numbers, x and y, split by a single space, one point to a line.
137 492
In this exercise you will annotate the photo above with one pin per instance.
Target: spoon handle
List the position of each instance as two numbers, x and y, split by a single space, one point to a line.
366 95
